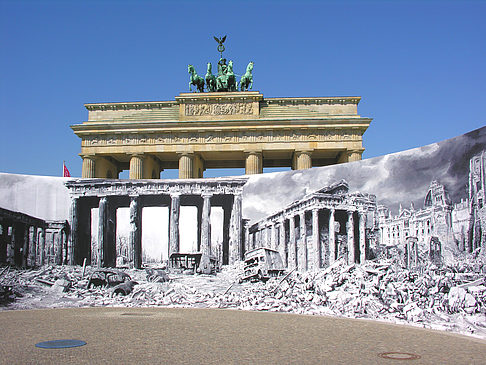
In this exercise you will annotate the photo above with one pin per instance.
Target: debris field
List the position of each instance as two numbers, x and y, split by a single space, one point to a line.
450 298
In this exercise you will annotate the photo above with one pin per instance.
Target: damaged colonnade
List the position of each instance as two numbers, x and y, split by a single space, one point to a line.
313 232
27 241
108 195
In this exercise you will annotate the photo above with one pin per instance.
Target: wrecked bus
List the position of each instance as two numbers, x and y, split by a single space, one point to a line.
261 264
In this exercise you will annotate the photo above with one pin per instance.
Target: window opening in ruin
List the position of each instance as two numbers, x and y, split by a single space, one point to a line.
216 218
188 229
94 235
155 236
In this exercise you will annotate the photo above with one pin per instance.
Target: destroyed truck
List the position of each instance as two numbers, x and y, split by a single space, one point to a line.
261 264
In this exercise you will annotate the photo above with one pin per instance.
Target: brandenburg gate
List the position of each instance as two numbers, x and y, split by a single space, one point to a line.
232 129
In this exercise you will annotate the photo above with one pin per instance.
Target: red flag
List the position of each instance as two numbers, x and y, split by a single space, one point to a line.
65 171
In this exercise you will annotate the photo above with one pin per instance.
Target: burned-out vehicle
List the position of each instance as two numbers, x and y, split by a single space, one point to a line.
185 262
261 264
107 277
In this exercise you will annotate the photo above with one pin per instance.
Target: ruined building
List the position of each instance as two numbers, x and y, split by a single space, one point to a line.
460 225
433 220
477 202
108 195
28 241
318 229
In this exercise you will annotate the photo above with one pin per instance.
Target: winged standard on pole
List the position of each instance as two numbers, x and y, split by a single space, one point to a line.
220 44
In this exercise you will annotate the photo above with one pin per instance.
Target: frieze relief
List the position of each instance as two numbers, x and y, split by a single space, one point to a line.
215 137
219 109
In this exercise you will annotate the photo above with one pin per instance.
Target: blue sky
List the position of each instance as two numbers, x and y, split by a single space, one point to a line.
419 66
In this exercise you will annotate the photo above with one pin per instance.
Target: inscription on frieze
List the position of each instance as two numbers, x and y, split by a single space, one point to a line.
219 109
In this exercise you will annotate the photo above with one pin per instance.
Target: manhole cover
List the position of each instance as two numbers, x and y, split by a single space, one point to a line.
137 314
399 356
60 344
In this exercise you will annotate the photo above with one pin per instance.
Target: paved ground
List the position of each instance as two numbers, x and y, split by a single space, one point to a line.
207 336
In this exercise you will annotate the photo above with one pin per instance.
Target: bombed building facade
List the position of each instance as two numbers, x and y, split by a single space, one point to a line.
27 241
318 229
459 225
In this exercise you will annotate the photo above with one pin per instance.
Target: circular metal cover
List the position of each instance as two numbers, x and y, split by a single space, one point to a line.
60 344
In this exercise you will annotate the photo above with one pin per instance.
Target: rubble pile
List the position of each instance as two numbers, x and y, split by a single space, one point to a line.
450 297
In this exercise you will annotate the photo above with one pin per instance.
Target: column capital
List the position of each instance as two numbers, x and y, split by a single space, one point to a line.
252 152
207 195
136 154
90 156
306 151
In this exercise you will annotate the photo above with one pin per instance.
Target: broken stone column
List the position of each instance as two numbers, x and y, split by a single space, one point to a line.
332 238
362 237
350 233
135 239
206 225
73 223
102 231
235 231
316 244
175 205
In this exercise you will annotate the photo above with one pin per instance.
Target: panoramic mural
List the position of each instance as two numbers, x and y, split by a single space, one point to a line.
401 238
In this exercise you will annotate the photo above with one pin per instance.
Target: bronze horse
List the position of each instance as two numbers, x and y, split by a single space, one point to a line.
210 79
196 80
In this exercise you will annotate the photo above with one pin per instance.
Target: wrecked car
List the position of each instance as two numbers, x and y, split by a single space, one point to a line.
261 264
107 277
185 262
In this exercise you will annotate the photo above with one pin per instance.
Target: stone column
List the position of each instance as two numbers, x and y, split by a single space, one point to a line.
282 244
350 233
3 243
31 260
186 166
198 167
102 231
136 167
253 163
206 225
73 236
88 170
246 236
302 160
292 244
235 231
42 250
316 242
135 238
274 236
302 248
332 238
354 155
25 246
175 205
362 237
